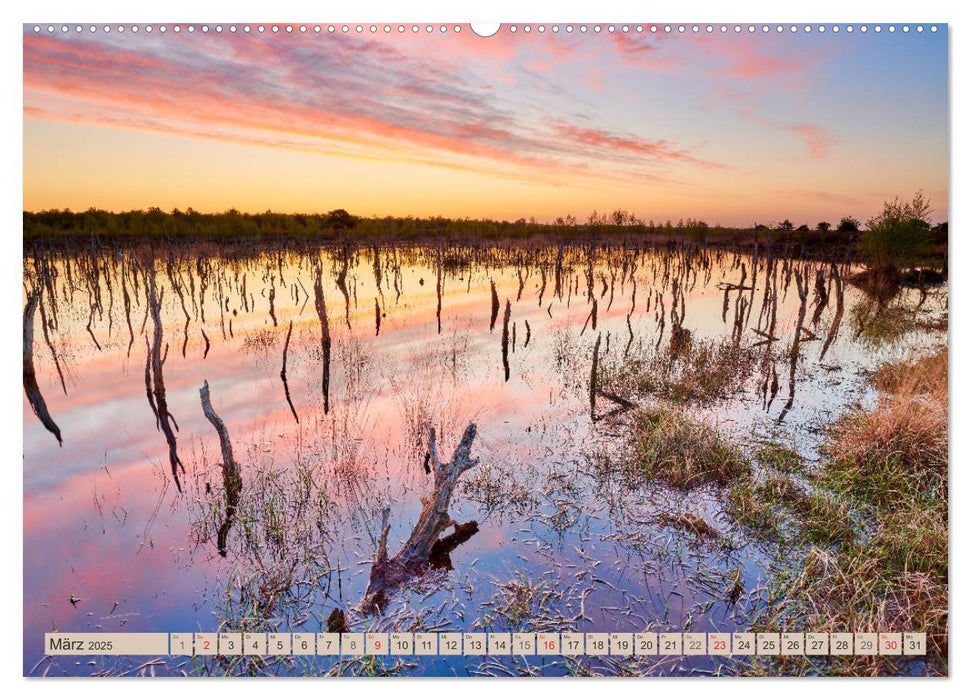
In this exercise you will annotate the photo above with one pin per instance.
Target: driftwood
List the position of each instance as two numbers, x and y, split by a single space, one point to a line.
232 479
31 387
768 336
619 400
424 546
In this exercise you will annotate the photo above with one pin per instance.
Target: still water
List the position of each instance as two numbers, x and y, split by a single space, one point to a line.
127 530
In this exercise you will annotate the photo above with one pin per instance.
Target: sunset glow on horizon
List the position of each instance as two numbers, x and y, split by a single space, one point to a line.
728 128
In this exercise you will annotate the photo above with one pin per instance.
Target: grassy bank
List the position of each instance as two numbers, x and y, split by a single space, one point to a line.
884 564
862 538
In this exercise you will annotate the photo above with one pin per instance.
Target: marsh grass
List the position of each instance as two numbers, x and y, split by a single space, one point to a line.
673 448
530 603
779 457
880 324
520 603
897 451
701 370
889 464
823 519
751 510
776 506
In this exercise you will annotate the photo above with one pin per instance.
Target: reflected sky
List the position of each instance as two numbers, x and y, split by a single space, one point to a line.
104 523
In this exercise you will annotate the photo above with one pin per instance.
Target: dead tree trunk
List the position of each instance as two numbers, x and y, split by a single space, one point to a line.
415 555
283 374
165 419
232 479
31 387
505 339
593 377
837 318
796 341
495 307
321 305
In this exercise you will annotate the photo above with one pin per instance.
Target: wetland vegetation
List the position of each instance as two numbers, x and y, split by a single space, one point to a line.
434 425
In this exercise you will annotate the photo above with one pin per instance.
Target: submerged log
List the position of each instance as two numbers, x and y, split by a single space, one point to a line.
619 400
31 388
424 545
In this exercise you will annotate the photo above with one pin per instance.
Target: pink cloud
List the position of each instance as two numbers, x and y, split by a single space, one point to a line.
364 97
645 51
818 141
656 150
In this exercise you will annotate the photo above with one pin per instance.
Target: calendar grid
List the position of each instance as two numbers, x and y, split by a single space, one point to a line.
570 644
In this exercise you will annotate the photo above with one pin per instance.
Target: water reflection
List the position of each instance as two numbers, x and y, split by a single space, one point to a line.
287 527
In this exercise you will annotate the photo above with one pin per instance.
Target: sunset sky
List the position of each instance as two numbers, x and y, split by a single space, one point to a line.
728 128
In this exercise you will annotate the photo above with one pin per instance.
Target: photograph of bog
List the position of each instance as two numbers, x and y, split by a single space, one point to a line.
567 350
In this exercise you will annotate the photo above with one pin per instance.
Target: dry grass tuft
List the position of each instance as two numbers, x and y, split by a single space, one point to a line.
899 448
925 375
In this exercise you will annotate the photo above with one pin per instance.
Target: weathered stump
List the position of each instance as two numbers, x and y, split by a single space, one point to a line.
424 545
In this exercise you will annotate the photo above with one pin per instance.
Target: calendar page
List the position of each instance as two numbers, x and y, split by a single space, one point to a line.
436 349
